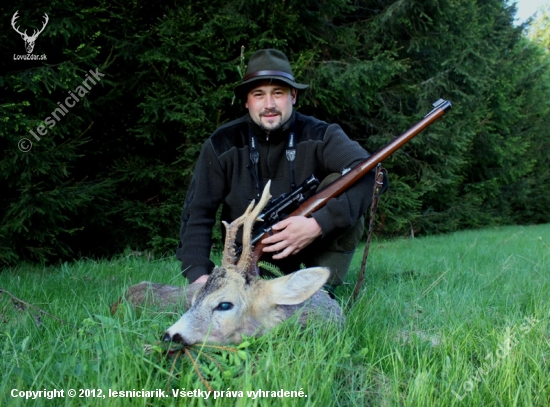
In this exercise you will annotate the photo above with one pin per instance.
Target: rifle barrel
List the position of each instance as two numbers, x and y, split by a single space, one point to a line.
336 188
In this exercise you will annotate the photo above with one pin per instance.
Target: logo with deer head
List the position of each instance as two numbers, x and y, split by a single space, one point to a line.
29 40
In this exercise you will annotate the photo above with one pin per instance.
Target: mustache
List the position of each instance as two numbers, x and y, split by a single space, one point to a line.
270 111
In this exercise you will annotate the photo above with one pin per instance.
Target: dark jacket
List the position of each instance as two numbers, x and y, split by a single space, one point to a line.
223 176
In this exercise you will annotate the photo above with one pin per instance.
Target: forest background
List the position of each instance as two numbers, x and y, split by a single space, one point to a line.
113 172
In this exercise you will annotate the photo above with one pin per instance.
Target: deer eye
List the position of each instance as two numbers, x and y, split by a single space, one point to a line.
224 306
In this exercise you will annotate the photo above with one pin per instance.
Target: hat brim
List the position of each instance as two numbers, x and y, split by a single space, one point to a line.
242 89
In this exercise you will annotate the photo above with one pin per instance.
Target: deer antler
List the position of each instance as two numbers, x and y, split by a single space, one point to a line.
229 256
15 17
246 255
24 34
36 34
247 219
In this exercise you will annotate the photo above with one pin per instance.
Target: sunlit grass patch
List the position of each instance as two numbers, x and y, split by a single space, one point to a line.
460 319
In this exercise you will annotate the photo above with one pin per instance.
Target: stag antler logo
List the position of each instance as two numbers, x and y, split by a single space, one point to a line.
29 41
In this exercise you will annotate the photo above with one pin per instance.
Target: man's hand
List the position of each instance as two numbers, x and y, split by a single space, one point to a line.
293 235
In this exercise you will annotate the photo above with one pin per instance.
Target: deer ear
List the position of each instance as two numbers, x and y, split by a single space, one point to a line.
297 287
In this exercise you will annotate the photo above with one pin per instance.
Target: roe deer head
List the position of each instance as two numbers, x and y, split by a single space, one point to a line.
233 302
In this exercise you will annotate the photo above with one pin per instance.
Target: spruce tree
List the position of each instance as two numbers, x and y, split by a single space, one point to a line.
113 171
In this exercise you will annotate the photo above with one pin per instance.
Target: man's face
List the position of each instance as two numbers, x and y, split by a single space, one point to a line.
270 104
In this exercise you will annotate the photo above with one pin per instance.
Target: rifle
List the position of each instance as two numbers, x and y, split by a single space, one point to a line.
272 212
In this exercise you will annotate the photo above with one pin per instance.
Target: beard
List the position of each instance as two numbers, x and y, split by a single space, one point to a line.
276 124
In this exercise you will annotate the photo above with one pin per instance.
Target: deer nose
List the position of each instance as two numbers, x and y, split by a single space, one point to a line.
176 338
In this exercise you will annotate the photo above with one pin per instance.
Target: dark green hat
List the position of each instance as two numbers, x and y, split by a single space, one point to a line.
267 64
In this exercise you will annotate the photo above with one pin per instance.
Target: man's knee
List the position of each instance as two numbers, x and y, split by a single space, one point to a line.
338 263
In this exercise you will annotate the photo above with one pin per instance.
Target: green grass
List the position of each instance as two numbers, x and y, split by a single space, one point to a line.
432 313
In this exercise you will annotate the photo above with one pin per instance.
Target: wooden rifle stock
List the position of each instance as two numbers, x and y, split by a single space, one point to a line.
343 183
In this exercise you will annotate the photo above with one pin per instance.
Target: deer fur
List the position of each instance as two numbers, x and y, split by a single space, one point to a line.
234 302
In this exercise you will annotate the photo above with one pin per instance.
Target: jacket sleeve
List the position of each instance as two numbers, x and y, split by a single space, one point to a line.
338 153
203 198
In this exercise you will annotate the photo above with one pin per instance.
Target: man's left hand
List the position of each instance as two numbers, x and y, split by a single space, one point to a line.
293 235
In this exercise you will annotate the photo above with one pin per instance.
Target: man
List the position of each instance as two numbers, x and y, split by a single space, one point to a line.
274 142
